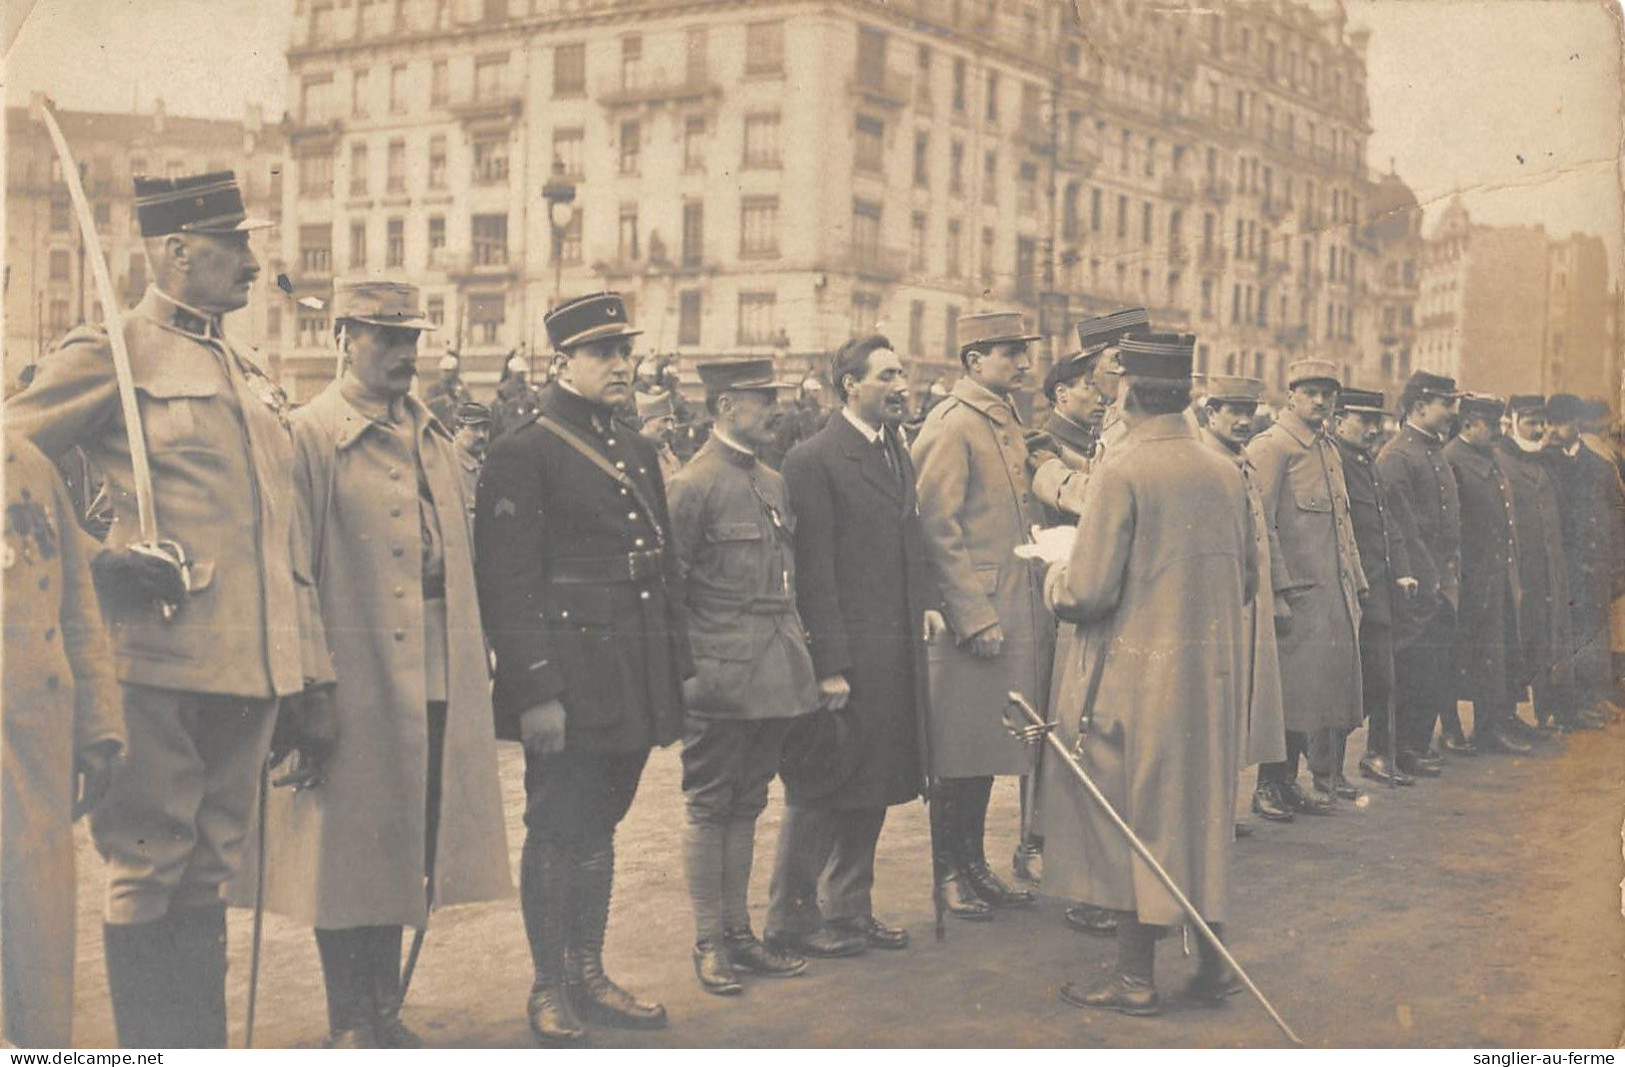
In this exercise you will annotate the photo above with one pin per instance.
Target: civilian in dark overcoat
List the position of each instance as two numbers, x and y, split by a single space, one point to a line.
865 592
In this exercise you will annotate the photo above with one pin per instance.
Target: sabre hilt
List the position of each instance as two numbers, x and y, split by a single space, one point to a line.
170 554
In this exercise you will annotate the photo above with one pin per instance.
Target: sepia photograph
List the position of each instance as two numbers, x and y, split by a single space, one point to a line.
799 524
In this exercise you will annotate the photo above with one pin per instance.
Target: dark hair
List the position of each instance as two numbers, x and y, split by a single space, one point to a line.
853 358
1155 397
1214 403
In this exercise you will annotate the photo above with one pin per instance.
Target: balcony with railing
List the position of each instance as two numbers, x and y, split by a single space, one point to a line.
870 262
882 88
502 104
484 263
658 86
1078 157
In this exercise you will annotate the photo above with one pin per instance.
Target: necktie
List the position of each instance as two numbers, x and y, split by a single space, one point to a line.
886 453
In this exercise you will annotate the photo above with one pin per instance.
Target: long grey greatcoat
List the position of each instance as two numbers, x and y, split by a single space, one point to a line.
1263 735
977 506
1544 628
351 853
1306 503
59 696
1162 567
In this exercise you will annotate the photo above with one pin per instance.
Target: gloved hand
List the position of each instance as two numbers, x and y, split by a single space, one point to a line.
94 767
141 574
306 729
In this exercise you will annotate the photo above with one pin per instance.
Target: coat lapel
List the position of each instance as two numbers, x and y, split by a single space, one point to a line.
871 464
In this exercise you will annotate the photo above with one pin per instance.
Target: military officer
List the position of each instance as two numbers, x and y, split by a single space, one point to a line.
1317 584
1487 623
1428 509
753 676
472 440
1387 565
445 393
1104 334
202 657
516 398
657 420
578 584
1061 452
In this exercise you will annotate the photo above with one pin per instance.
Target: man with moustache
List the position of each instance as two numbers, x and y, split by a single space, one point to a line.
371 820
579 586
867 598
209 636
1387 565
977 506
1545 631
734 533
1428 509
1317 585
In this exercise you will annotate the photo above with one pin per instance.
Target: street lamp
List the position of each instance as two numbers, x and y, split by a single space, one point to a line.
560 194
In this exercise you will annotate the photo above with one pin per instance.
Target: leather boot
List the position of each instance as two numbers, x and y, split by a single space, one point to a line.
544 889
346 966
714 969
200 989
599 998
987 885
140 972
960 900
384 958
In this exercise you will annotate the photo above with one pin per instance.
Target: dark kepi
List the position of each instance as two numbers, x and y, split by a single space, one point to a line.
588 318
202 203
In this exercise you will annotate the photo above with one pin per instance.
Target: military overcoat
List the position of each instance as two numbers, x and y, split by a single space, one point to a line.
1487 619
1544 627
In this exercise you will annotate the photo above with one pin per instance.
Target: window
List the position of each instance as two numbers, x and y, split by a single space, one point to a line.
632 61
1122 216
397 89
397 166
1145 223
694 143
698 40
764 48
992 113
865 232
759 226
491 160
959 86
567 150
916 241
358 168
437 161
315 176
570 70
102 216
865 311
693 232
956 168
358 94
1150 157
312 328
626 246
490 77
916 328
922 159
922 80
1027 187
990 178
954 242
1235 304
757 312
486 313
316 249
871 70
570 245
358 245
439 84
316 100
762 140
1026 273
1207 298
987 256
57 317
631 146
869 150
950 331
1094 210
395 243
59 264
437 241
688 317
490 240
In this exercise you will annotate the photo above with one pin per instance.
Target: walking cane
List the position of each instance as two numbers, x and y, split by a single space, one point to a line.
1034 730
259 904
939 900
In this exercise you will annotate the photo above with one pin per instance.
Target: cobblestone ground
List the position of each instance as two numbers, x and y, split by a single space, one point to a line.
1478 909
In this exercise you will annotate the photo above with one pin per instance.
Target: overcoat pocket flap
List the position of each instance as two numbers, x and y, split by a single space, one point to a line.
733 531
1313 501
734 646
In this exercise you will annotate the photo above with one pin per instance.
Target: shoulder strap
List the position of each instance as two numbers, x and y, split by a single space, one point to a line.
596 458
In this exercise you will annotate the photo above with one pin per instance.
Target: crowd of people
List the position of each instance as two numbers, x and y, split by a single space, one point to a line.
279 677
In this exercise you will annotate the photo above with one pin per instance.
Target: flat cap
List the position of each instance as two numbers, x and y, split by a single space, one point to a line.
732 375
1167 356
1103 330
1312 370
1231 389
588 318
201 203
381 303
1363 401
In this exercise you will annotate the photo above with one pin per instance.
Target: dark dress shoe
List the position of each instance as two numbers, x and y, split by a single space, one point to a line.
747 953
1131 996
552 1019
1268 804
1243 830
1501 739
826 942
1420 765
1337 786
963 902
875 932
1024 863
1458 746
1376 767
605 1003
1306 803
1212 989
714 969
992 889
1089 919
360 1037
392 1033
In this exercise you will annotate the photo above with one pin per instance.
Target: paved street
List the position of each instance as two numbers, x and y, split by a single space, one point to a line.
1480 909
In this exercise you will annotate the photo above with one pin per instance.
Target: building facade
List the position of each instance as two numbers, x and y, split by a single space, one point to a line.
774 177
49 287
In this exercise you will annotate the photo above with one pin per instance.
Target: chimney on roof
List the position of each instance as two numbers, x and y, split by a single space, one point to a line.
158 115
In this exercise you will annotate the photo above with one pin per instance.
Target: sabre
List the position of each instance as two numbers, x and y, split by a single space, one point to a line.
140 466
259 905
1035 729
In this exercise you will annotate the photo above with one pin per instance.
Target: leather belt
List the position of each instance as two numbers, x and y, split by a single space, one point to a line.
631 567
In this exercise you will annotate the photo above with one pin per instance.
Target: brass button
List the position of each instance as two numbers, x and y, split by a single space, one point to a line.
620 464
623 490
644 595
638 543
397 551
631 516
610 442
400 635
400 591
395 512
394 475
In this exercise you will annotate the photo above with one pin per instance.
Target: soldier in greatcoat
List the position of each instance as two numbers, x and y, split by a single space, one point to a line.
1317 585
1428 509
579 587
867 596
977 505
1545 631
1487 622
734 531
61 733
1162 565
401 791
204 650
1387 565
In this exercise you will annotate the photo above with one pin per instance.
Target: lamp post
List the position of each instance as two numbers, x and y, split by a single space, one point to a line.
560 194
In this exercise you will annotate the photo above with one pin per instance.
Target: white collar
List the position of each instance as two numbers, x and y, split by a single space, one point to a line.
1524 442
870 433
730 442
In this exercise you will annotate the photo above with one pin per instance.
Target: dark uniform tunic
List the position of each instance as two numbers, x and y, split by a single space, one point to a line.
1544 628
1487 621
1593 537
